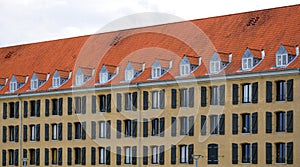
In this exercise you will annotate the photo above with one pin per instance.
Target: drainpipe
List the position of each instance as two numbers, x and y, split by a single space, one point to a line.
139 125
21 131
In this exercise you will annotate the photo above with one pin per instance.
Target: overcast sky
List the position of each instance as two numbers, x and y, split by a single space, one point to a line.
27 21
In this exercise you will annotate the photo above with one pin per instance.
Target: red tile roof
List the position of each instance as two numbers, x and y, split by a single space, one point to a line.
264 29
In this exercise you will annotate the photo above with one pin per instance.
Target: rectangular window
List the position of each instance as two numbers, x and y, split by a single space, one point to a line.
102 129
128 99
32 155
246 153
212 154
280 153
13 109
281 60
54 131
155 100
247 93
214 125
77 105
281 90
155 127
77 152
34 108
55 106
11 157
78 130
54 156
11 133
184 154
214 66
102 156
280 122
214 95
105 103
128 128
247 63
184 97
184 126
32 132
127 155
155 154
246 123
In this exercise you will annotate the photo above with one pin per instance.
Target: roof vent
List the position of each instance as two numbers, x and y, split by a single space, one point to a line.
9 54
115 41
252 21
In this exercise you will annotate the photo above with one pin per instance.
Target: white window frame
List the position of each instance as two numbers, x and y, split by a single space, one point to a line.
54 132
155 154
156 72
185 98
247 93
127 155
79 79
184 154
56 82
247 63
13 86
102 129
185 69
34 84
155 99
103 77
102 155
281 60
215 66
32 132
129 74
282 90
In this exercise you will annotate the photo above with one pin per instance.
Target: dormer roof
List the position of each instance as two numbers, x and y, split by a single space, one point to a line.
255 53
286 49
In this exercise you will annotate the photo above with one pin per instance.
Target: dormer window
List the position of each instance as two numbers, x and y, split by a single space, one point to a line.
56 80
107 72
286 54
103 77
129 75
247 63
13 85
34 84
133 69
219 61
214 66
251 58
156 70
16 83
185 66
37 80
79 77
60 78
281 60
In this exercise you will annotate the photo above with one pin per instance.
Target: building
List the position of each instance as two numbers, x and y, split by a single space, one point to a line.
222 87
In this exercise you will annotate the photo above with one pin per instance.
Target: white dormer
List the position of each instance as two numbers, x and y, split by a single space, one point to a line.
286 54
13 85
156 70
129 72
219 61
103 75
251 58
56 80
79 78
185 66
34 83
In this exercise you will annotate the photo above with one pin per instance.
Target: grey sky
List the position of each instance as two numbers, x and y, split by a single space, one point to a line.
27 21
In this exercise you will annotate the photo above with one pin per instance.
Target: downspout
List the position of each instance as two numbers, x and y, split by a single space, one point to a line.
21 131
139 125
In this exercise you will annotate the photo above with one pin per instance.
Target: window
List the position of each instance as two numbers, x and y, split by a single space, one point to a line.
158 99
13 109
155 99
127 155
280 122
184 98
281 60
79 79
155 153
34 84
102 156
11 157
54 131
32 154
281 90
13 86
184 153
246 153
156 72
214 66
129 75
247 63
78 105
185 69
155 127
56 82
77 156
127 128
247 93
78 130
130 101
103 77
245 123
54 156
214 119
11 133
34 108
105 103
212 154
32 132
183 126
102 132
280 153
55 106
214 95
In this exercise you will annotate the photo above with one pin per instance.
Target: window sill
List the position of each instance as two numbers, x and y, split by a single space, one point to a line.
245 163
245 133
280 163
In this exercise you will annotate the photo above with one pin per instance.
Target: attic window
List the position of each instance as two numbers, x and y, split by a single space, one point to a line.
79 79
281 60
247 63
34 84
13 86
56 82
185 69
129 74
214 66
103 77
156 72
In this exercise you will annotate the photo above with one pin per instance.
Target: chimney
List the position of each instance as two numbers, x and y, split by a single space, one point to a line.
6 80
170 64
93 72
297 50
70 74
263 54
230 57
26 79
143 68
200 61
117 70
48 76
